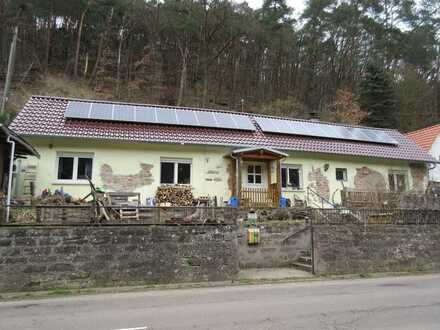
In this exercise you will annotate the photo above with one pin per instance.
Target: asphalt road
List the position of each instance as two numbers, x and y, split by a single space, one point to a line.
387 303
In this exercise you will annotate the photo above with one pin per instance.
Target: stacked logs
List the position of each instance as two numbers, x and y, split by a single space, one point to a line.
174 196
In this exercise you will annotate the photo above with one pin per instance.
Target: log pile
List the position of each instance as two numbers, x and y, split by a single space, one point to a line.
174 196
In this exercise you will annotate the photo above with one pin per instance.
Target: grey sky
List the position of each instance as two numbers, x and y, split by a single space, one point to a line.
297 5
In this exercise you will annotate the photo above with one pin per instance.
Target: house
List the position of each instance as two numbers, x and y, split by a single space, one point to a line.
256 158
428 139
14 147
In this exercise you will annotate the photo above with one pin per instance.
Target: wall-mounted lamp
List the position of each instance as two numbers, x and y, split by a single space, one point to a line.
326 166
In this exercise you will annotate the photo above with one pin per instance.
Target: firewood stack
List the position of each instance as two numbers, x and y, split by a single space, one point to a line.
174 196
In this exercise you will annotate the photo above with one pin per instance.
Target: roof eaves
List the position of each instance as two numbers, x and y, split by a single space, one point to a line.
10 133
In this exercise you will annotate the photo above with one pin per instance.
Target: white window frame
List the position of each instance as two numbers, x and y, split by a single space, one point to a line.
345 174
398 172
262 174
176 162
75 156
300 174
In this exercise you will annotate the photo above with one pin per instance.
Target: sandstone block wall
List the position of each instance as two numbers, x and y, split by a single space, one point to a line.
38 258
376 248
280 246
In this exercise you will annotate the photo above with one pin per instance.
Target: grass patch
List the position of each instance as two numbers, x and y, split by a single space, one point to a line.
59 291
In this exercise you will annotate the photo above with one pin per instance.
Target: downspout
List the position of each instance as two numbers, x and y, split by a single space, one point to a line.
236 177
10 174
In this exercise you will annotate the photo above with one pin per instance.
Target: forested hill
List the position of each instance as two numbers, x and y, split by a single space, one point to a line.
370 61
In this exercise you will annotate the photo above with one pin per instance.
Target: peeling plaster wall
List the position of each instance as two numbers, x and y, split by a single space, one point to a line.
136 166
319 183
130 182
313 168
419 177
369 180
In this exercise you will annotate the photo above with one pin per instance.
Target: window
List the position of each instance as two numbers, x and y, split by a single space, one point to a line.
291 177
175 172
341 174
397 181
254 174
74 167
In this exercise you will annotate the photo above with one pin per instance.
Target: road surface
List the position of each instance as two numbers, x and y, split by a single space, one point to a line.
386 303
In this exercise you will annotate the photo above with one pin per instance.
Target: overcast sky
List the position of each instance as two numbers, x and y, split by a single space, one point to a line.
297 5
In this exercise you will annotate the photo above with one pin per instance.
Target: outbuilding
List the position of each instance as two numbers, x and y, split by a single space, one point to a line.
12 147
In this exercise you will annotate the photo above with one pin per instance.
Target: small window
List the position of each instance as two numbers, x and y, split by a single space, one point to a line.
254 174
291 177
397 181
74 167
341 174
175 172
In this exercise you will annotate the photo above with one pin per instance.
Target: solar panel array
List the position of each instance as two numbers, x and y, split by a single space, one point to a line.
198 118
272 125
157 115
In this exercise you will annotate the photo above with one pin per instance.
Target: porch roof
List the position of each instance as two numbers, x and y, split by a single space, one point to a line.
262 150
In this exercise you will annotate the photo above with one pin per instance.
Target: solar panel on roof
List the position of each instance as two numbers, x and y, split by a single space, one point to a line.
266 124
123 113
224 120
102 111
275 125
166 116
157 115
206 119
145 115
187 118
243 122
78 109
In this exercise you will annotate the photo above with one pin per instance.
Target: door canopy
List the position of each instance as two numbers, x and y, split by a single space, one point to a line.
259 153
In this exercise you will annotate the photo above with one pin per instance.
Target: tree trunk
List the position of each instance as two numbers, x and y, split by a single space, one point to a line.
183 75
86 65
48 40
98 58
78 43
100 47
118 66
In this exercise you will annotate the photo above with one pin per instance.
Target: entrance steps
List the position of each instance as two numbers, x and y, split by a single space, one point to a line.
304 261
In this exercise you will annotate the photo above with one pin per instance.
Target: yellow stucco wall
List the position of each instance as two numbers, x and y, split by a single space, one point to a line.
209 175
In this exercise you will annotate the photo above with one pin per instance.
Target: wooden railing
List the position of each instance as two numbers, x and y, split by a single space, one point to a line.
259 197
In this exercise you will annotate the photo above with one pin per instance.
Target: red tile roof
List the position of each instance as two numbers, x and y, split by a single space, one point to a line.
44 116
425 137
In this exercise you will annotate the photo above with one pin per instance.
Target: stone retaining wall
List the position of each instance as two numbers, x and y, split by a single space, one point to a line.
38 258
280 245
376 248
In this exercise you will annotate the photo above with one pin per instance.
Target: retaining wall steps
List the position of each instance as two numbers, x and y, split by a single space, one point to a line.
304 261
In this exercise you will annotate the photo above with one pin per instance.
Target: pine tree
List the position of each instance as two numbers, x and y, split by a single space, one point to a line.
377 98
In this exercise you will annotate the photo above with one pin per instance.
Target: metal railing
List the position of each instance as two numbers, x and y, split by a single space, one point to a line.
374 217
322 201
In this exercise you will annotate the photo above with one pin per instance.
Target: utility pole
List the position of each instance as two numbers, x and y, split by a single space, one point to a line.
10 70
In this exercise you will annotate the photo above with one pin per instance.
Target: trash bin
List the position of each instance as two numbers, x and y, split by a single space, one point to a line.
233 202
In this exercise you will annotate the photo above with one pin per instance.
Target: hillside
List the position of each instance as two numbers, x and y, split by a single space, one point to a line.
373 62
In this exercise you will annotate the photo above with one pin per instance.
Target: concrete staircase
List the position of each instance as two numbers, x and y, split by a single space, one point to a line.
304 261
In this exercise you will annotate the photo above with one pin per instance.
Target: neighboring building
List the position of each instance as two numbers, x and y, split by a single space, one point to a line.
11 145
428 139
132 147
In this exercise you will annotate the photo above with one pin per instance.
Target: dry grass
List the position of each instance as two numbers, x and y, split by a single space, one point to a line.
53 85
